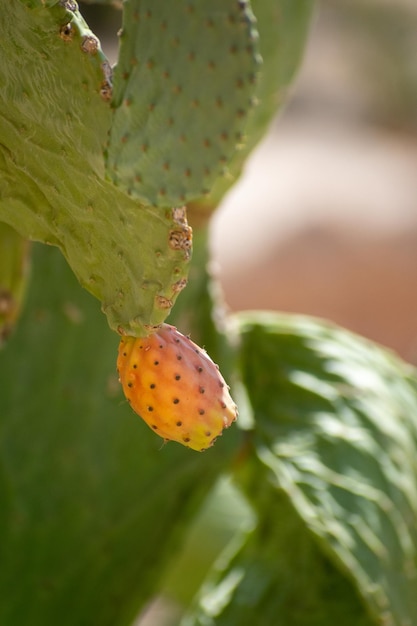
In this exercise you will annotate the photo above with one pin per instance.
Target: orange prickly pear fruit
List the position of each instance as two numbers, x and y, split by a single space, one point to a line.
175 387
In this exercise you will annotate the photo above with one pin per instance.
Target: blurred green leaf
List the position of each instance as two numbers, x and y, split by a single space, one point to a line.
223 519
336 426
279 576
91 504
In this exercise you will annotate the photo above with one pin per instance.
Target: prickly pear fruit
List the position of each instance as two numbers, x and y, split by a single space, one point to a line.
175 387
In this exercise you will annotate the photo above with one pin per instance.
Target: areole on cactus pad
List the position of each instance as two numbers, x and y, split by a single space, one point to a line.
175 387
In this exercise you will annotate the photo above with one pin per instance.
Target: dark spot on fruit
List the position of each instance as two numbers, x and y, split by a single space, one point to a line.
175 400
156 362
179 357
202 390
223 405
161 346
221 385
207 433
124 353
177 377
199 369
152 386
154 426
179 423
150 408
186 439
130 384
201 411
135 365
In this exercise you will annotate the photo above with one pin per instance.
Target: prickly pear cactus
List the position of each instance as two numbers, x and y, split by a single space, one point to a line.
161 134
94 511
133 258
330 470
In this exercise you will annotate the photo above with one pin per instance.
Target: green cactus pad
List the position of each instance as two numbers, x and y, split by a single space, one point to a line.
53 190
283 29
183 89
335 426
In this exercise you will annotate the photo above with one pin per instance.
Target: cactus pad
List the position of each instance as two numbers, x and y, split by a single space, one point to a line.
335 425
183 88
134 259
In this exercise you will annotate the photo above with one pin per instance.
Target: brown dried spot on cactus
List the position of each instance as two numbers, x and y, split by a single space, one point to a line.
163 303
179 215
6 302
90 44
106 91
179 285
181 239
67 32
70 5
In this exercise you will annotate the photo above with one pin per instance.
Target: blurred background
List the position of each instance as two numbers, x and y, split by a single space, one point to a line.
324 219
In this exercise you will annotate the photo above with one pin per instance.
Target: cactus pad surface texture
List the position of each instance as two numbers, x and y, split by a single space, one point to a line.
53 176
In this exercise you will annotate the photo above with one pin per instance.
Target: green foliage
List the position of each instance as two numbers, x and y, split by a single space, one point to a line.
91 504
279 576
336 426
96 518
